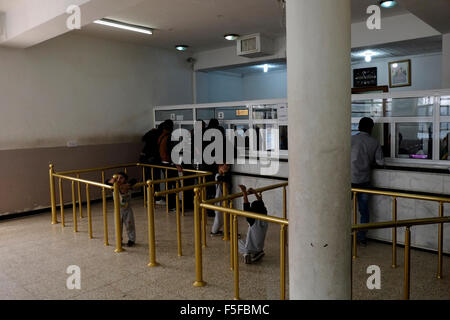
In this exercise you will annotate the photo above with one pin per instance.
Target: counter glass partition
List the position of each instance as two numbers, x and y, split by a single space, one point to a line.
413 127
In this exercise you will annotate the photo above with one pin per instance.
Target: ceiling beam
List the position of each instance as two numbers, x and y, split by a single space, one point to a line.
34 22
433 12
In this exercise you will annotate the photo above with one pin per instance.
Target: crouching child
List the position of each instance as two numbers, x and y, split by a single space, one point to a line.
253 247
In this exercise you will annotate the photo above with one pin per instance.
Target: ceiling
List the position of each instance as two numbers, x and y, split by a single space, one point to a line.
359 8
201 24
434 12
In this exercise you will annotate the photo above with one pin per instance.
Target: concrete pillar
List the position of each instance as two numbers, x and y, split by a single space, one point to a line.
318 63
446 61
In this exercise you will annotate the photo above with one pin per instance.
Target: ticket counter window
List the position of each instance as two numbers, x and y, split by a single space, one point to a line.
414 140
444 137
264 112
410 107
445 106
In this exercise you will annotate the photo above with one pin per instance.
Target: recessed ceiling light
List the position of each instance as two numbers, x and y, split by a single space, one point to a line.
125 26
388 3
231 37
181 47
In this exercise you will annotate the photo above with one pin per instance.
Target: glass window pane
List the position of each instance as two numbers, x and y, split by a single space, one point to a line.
367 108
445 106
355 130
414 140
444 136
206 114
265 140
175 115
232 113
410 107
265 111
240 130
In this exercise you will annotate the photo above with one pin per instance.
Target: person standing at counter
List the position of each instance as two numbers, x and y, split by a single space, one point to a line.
366 152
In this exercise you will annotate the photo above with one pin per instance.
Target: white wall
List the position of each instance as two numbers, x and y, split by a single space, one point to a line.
270 85
425 74
446 61
84 89
222 87
212 87
99 93
218 87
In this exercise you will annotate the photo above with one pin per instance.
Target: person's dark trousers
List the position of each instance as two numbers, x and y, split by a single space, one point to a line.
363 206
156 175
172 185
211 191
189 194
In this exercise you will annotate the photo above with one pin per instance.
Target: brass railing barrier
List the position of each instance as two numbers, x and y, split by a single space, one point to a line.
234 213
151 194
408 224
395 195
76 196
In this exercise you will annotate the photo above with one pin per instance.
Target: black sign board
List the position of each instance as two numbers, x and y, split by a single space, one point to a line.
366 77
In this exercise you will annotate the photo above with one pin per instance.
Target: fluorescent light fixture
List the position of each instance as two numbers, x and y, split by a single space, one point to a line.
388 3
181 47
231 37
266 68
122 25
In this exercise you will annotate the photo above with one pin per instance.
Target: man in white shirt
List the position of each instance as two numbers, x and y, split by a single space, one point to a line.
366 151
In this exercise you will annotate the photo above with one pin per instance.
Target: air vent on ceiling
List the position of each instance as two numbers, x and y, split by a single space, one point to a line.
254 45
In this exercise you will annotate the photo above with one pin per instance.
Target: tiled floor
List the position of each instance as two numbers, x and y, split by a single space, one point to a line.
35 255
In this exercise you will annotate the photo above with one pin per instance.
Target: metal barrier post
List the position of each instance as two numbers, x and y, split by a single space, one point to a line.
236 260
117 219
80 207
224 204
143 188
74 208
231 239
284 203
61 202
394 233
355 221
88 204
198 246
204 214
407 277
440 240
105 217
52 194
151 224
283 261
167 195
182 198
177 198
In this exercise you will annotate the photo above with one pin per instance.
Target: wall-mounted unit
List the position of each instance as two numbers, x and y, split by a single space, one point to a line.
254 45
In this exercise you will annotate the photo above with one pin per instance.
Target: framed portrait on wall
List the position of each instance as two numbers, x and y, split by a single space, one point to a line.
400 74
